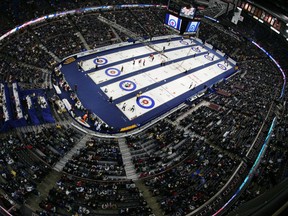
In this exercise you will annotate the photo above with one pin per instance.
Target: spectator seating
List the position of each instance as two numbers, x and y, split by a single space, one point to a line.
99 159
184 160
51 143
70 196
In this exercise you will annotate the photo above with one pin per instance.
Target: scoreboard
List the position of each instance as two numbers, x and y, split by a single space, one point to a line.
192 27
182 17
173 22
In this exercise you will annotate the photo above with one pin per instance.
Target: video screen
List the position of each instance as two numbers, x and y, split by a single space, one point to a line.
192 26
173 21
188 11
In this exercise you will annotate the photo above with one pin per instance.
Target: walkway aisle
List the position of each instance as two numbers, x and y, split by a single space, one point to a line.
202 103
192 133
149 198
80 36
60 164
53 55
127 160
44 187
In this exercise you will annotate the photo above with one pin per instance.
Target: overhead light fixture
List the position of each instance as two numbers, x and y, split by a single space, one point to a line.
275 30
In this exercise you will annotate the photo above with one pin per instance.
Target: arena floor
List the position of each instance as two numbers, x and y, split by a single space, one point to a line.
141 83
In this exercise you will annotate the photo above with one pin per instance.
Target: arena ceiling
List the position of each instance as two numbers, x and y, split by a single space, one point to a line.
280 6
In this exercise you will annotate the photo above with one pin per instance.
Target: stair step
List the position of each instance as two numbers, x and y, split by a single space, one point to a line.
60 164
127 164
127 159
134 177
131 174
130 169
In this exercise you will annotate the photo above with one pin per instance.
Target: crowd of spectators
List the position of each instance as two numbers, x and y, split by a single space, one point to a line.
233 127
153 16
184 188
59 37
12 71
275 44
99 160
77 196
183 164
36 45
51 143
136 21
16 13
25 48
95 32
126 19
16 72
239 114
20 170
238 47
158 148
273 167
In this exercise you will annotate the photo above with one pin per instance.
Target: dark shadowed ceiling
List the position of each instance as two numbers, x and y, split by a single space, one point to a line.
277 5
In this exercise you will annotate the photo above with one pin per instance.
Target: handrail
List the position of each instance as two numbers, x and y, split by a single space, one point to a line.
75 11
265 144
236 171
252 170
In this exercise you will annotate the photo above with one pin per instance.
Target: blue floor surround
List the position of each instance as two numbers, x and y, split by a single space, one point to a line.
35 116
95 101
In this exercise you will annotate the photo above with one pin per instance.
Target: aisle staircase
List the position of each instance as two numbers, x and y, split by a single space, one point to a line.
61 164
127 160
149 198
80 36
53 55
43 188
130 34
